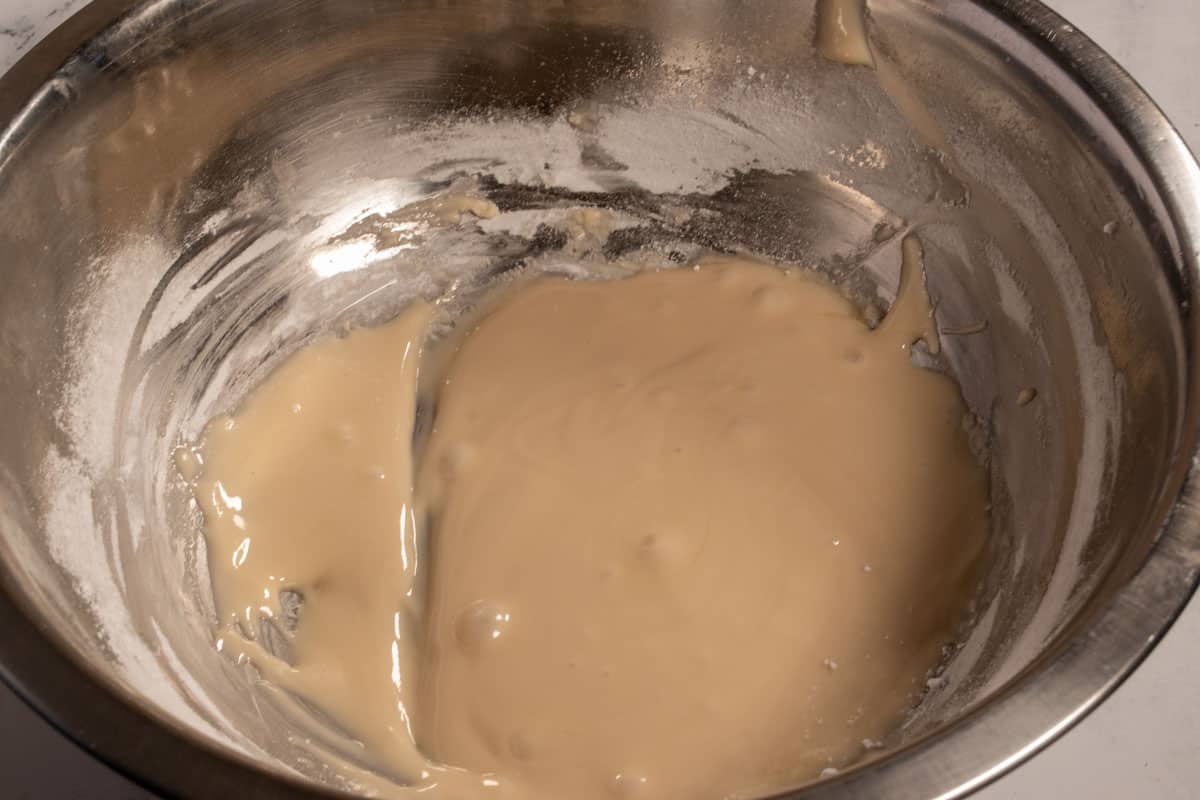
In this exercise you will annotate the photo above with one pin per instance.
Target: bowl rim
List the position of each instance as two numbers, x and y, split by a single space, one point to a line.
123 732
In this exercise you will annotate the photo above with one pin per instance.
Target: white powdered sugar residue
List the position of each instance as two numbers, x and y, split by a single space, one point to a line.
101 327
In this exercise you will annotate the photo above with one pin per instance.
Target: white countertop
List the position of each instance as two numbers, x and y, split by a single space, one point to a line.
1142 742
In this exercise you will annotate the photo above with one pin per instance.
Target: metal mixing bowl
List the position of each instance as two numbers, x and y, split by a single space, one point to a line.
190 190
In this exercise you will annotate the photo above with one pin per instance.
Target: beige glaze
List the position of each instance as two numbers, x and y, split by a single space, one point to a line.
694 533
842 32
309 489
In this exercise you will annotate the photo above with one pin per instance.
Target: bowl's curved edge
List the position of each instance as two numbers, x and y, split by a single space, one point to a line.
1100 656
35 662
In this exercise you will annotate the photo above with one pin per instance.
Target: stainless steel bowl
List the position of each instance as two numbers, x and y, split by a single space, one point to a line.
190 190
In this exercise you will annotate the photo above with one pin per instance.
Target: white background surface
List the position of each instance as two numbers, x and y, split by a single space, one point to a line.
1143 742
